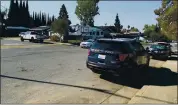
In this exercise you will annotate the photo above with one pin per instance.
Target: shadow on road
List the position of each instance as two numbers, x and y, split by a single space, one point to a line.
75 44
61 84
46 43
151 76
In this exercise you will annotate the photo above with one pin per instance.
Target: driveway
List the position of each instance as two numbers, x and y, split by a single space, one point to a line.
57 74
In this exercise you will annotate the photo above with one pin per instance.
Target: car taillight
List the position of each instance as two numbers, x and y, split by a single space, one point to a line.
122 57
89 51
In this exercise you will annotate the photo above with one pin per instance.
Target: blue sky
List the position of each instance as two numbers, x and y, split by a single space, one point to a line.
133 13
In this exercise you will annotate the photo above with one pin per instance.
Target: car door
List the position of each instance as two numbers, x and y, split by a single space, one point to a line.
25 35
141 53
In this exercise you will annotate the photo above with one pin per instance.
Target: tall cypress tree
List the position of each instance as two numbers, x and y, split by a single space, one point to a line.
40 18
43 19
17 13
27 14
11 14
21 14
49 20
117 24
63 14
53 18
33 17
36 19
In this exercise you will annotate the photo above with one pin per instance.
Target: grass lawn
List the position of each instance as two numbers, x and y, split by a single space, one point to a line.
74 41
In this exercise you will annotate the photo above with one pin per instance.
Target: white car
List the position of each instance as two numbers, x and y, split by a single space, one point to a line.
22 33
86 44
32 36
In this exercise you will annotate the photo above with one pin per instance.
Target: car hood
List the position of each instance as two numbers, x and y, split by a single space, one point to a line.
85 43
159 50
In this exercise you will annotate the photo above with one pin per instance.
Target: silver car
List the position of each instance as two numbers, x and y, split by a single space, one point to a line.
174 49
86 44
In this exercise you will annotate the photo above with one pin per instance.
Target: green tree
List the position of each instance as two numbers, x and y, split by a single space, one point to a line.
128 27
27 15
60 26
86 10
133 29
152 32
11 14
63 14
148 29
167 18
117 24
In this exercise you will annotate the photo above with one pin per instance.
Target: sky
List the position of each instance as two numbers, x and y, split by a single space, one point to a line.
133 13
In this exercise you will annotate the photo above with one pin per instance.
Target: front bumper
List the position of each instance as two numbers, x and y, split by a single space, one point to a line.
85 46
160 55
117 68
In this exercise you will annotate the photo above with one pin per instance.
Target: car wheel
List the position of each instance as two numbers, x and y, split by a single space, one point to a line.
41 41
148 62
22 40
166 58
96 71
153 57
32 39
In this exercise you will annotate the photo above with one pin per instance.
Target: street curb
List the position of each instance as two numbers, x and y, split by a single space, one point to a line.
16 38
144 88
31 46
18 46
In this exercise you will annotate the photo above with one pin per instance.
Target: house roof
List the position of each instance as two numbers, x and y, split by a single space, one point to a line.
41 28
107 28
17 27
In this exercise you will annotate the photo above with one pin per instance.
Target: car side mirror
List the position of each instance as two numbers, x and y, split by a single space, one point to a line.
147 48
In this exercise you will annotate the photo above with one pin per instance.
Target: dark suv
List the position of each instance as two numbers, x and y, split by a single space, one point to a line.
115 55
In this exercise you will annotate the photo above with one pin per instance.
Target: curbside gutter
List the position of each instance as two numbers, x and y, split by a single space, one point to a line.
136 98
31 46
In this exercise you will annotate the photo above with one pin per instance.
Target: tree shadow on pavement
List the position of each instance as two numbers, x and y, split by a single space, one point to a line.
62 84
47 43
151 76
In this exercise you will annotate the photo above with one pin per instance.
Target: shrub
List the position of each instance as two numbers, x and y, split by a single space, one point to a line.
54 38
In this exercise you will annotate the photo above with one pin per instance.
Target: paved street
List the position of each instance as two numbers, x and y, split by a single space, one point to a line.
57 74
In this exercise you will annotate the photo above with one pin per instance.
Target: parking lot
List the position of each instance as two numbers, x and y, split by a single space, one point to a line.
58 74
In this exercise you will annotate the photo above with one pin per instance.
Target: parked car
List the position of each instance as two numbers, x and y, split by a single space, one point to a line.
160 51
174 49
22 33
116 55
87 43
32 36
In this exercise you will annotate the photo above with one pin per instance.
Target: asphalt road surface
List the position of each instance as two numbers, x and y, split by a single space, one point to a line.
58 74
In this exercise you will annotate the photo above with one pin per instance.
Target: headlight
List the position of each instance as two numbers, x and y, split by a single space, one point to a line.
163 51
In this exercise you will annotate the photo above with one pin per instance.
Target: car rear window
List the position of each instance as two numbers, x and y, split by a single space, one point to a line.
122 47
159 46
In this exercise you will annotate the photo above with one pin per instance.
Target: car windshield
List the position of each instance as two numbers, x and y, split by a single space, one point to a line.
158 46
112 46
89 40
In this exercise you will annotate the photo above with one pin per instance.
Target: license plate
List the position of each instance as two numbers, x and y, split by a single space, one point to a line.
101 56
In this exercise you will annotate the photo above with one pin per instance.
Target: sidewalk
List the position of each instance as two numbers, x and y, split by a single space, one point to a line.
159 94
